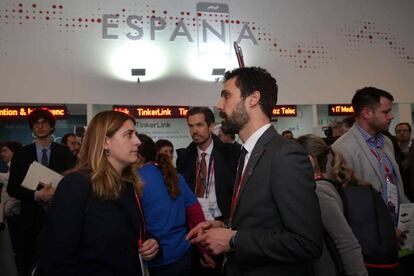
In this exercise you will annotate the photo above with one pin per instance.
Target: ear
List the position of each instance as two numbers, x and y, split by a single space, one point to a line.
254 98
107 143
366 113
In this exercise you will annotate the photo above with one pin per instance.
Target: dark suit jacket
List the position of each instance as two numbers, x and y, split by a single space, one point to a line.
87 236
225 160
32 213
277 215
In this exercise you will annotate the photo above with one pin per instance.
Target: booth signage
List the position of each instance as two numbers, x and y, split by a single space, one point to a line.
21 112
153 111
340 109
285 111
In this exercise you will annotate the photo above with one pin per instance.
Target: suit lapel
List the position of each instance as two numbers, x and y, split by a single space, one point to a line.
365 148
255 156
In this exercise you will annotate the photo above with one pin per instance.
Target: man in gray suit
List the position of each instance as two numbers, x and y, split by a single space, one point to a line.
275 225
370 153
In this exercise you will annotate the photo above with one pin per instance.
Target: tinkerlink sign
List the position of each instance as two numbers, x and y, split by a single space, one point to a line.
213 26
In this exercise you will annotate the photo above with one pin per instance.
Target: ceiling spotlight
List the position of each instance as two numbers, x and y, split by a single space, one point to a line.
138 72
218 72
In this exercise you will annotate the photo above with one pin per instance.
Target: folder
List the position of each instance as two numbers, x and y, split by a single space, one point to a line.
39 173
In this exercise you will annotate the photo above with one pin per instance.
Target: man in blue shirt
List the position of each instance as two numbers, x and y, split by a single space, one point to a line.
55 156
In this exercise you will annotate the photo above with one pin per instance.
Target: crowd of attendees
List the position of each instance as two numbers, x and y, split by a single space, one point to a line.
124 208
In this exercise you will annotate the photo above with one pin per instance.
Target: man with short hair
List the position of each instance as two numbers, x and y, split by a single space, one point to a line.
208 167
370 153
403 137
275 223
50 154
71 141
216 185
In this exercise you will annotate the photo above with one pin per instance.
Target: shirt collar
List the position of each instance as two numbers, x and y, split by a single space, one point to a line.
252 140
376 141
207 151
40 148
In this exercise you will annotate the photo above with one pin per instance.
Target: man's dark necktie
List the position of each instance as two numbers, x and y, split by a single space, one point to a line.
201 177
240 166
45 160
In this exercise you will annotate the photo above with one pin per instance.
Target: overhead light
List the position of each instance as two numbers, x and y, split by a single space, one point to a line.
218 72
138 72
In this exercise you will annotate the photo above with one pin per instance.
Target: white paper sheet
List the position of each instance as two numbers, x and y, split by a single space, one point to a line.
39 173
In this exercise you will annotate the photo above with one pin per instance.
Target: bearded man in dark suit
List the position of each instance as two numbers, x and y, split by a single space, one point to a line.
275 224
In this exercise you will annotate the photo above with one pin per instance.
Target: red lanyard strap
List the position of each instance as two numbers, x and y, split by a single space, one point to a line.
142 229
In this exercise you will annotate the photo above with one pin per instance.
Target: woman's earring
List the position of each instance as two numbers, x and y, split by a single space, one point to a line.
106 151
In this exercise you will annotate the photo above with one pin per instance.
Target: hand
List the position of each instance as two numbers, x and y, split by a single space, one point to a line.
216 240
207 261
401 236
149 249
46 193
202 227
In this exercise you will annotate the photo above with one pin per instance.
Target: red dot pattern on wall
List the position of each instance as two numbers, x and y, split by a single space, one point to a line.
50 14
360 34
309 55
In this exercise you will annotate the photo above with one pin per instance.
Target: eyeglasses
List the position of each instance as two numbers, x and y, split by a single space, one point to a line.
41 122
403 130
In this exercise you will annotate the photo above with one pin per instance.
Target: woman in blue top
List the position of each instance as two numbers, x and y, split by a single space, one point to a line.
170 209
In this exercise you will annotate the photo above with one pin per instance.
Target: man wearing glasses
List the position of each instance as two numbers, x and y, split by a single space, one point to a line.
52 155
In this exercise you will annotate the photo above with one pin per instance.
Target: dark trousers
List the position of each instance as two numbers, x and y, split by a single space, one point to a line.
199 270
12 226
182 267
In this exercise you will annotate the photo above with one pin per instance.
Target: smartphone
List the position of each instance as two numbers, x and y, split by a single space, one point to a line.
213 28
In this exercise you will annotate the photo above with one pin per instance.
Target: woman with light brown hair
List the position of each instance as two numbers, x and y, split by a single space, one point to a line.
329 167
95 224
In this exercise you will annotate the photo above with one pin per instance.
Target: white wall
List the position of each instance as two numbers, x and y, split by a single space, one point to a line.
43 60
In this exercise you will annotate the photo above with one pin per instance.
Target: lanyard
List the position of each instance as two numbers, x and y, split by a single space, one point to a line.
388 173
236 194
142 229
210 172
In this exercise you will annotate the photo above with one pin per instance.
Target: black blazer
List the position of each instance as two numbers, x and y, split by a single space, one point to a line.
225 159
60 160
87 236
277 216
32 214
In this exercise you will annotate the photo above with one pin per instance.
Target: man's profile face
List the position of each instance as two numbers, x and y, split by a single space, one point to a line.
199 130
42 128
73 144
381 116
403 133
232 109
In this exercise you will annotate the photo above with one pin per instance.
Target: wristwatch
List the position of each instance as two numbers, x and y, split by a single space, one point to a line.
231 242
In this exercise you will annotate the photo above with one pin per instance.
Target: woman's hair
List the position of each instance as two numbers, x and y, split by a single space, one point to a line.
13 146
149 153
339 170
163 143
106 181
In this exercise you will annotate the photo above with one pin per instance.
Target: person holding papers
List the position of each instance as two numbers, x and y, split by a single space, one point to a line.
52 155
95 223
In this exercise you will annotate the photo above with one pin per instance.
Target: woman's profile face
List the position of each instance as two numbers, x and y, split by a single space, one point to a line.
167 150
6 154
122 147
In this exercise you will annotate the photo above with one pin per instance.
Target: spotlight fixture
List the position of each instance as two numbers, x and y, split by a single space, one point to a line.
218 72
138 72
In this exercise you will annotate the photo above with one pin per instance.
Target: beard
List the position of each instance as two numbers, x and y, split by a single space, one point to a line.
236 121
